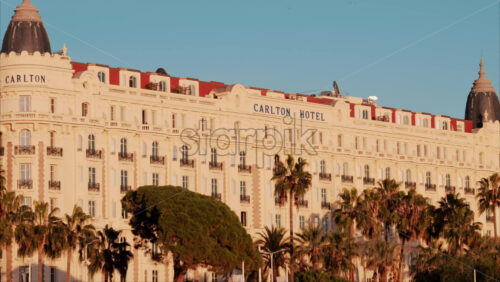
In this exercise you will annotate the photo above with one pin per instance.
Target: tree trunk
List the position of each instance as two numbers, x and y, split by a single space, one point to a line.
68 265
291 236
495 221
401 255
179 276
9 263
40 261
383 275
275 272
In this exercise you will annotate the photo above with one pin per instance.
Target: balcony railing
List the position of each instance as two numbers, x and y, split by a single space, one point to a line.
244 199
347 178
489 218
430 187
326 205
470 191
325 176
54 185
301 203
280 201
410 185
94 187
24 150
25 184
217 196
2 151
215 165
244 168
127 157
54 151
449 189
94 154
186 162
368 181
125 188
157 160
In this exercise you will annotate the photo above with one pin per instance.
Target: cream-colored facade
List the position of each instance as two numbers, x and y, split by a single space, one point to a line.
83 134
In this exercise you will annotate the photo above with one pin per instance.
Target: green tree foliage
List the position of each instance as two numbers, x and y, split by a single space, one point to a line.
273 240
197 230
488 197
311 241
317 276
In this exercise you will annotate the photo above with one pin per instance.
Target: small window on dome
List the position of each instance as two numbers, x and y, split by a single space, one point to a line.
132 82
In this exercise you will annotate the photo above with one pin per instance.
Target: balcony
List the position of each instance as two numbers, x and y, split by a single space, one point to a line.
244 199
186 163
93 154
244 168
449 189
347 178
2 151
326 205
215 165
24 150
325 176
368 181
489 218
54 151
410 185
301 203
25 184
126 157
217 196
469 191
280 200
54 185
125 188
157 160
430 187
94 187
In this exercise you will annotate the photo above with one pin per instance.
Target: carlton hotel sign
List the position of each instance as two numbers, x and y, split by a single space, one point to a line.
24 78
285 111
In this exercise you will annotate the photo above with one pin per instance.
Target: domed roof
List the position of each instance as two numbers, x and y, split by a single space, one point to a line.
26 31
482 103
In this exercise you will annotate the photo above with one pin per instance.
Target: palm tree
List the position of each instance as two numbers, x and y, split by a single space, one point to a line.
291 178
388 190
381 256
311 241
489 197
109 254
455 222
75 230
41 231
273 241
339 251
369 206
411 221
348 212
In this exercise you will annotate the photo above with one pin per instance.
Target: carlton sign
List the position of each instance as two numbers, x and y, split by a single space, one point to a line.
285 111
24 78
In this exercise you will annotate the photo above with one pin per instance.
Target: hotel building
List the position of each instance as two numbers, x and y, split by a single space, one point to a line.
84 134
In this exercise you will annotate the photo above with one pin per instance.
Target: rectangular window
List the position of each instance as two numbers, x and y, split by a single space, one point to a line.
25 172
92 175
184 182
277 219
214 186
53 105
244 218
53 277
323 195
24 103
52 173
243 188
112 113
173 121
26 201
156 179
92 208
301 222
154 276
124 214
124 178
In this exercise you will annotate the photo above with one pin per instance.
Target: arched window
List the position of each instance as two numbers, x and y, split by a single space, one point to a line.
322 167
408 175
243 159
91 145
25 137
132 82
102 76
85 109
467 182
123 146
367 171
162 86
154 149
184 153
428 178
213 155
345 169
387 173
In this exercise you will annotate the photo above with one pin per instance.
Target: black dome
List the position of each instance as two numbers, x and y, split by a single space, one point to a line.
482 103
26 31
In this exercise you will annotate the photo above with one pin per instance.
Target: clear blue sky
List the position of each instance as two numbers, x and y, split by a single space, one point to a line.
418 55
